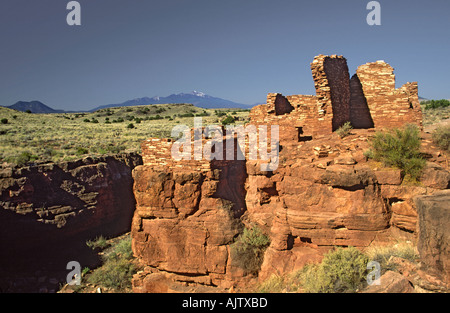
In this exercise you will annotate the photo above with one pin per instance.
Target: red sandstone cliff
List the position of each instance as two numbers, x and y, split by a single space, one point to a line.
48 211
324 193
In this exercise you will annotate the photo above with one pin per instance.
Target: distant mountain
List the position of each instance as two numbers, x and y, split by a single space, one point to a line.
33 106
422 99
197 98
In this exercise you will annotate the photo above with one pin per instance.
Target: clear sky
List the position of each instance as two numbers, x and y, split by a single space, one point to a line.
234 49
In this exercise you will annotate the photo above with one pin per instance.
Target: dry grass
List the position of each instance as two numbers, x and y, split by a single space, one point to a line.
383 253
66 136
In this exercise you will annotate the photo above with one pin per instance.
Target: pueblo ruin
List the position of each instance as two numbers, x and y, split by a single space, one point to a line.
323 194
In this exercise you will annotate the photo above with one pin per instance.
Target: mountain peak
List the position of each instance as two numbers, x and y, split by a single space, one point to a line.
198 94
197 98
33 106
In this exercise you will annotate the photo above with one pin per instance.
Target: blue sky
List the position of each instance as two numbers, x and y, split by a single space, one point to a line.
234 49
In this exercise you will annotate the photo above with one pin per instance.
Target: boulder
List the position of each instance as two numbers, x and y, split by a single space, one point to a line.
389 177
434 232
391 282
435 176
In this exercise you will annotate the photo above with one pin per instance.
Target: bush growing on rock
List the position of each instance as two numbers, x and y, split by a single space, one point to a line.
342 270
441 137
399 148
344 130
248 250
117 269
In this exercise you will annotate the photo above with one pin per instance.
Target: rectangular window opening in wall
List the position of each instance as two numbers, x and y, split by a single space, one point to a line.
305 240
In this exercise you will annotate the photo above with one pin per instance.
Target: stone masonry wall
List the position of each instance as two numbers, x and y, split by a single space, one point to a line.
389 107
331 79
369 99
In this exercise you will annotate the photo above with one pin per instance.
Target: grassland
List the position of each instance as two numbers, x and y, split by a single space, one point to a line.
27 137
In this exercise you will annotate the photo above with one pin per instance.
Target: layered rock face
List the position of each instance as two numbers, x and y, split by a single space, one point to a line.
47 210
324 192
434 235
186 220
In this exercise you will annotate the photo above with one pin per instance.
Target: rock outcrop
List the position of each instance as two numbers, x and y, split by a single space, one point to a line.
434 232
324 192
48 211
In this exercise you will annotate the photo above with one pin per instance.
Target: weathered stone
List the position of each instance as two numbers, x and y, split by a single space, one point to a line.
435 176
323 193
389 177
434 233
391 282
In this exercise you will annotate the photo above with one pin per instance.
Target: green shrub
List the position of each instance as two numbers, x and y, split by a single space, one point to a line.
344 130
81 151
399 148
248 250
228 120
341 270
441 136
98 243
23 158
118 267
434 104
130 126
4 121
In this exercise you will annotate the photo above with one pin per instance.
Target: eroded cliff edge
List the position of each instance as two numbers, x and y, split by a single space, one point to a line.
324 192
48 211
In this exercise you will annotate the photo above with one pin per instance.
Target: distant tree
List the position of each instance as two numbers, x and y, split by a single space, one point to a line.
4 121
228 120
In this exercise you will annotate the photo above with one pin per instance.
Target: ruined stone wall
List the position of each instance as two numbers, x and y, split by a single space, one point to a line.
360 116
369 99
331 79
389 107
156 152
321 195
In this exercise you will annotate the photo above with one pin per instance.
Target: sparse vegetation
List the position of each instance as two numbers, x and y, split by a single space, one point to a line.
344 130
441 136
383 254
68 136
248 250
228 120
98 243
434 104
118 267
398 148
342 270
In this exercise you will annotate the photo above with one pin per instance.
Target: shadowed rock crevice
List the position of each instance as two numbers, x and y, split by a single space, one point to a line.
49 211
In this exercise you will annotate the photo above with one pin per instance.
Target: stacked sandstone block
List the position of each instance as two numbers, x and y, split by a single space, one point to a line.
389 107
331 79
369 99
